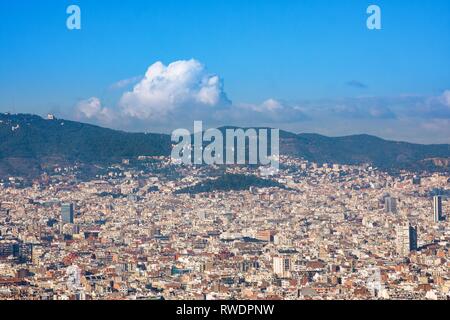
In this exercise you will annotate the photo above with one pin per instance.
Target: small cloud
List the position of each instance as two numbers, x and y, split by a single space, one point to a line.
433 107
363 108
381 113
357 84
92 109
437 125
270 105
269 111
445 98
125 83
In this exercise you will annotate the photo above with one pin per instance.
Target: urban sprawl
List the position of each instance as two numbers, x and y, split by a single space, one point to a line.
333 232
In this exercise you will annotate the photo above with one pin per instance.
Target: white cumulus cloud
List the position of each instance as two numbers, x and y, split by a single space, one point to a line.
182 86
92 109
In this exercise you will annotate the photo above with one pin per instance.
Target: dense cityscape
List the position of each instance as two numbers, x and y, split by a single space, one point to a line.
215 159
330 232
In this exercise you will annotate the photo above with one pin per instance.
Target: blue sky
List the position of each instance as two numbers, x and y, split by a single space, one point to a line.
301 54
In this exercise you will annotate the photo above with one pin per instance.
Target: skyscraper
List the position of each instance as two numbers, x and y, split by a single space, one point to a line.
390 205
406 238
282 266
437 209
67 213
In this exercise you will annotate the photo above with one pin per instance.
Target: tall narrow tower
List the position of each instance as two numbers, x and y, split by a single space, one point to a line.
406 238
67 214
437 209
390 205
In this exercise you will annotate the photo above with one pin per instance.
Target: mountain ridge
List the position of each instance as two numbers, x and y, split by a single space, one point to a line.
29 144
